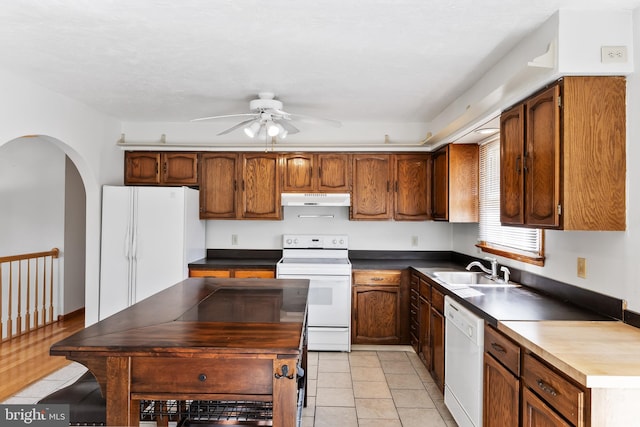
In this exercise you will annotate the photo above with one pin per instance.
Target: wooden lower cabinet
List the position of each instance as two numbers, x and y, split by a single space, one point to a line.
375 316
535 413
437 346
237 273
501 395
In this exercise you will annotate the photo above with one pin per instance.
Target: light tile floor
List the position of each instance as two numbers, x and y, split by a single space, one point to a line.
371 388
364 388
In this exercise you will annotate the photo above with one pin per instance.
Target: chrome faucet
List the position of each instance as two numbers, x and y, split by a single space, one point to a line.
506 273
494 267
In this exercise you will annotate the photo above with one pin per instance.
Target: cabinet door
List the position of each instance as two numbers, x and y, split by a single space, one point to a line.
501 397
334 173
298 172
440 184
437 347
141 167
464 165
371 186
425 351
512 134
542 160
218 185
536 413
261 186
180 168
412 189
376 315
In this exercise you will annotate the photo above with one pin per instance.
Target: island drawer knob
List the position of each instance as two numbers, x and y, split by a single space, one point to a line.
202 377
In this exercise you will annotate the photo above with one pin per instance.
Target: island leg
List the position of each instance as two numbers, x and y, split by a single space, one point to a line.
285 396
121 410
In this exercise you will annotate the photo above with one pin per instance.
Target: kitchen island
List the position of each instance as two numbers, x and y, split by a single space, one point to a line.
203 338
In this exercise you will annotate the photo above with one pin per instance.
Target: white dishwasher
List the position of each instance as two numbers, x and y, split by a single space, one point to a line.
463 364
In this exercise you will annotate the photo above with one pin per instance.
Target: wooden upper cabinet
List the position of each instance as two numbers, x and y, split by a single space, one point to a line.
542 159
334 172
511 166
141 167
179 168
260 186
454 180
574 160
319 172
218 186
412 189
372 175
298 172
440 184
155 168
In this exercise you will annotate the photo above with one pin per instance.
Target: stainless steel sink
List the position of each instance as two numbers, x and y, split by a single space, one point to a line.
469 278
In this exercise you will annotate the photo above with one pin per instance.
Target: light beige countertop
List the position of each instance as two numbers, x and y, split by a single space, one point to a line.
596 354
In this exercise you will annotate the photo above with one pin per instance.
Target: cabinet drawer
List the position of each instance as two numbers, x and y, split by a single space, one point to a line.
377 277
503 349
210 273
437 300
556 390
413 298
201 375
254 274
425 290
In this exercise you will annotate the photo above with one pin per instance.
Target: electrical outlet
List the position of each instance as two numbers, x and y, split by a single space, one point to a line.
234 239
613 54
582 267
414 240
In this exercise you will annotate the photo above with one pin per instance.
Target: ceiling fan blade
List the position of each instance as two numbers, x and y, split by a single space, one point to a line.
291 129
225 116
239 125
311 119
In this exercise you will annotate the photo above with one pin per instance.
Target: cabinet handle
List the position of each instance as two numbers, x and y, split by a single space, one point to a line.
546 388
319 172
524 162
164 168
497 347
518 169
414 312
388 186
202 377
396 186
377 279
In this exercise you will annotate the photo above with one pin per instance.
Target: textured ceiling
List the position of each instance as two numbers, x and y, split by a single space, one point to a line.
350 60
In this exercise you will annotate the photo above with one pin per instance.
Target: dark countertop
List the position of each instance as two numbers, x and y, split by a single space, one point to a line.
539 299
495 304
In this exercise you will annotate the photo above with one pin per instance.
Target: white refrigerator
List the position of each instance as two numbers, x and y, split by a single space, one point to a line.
149 236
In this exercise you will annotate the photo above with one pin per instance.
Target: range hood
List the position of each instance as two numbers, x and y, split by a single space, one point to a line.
316 199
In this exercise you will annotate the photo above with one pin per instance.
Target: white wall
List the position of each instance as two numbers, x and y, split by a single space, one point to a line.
85 135
363 235
74 240
612 262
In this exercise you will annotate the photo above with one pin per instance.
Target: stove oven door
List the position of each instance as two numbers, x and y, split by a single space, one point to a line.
329 299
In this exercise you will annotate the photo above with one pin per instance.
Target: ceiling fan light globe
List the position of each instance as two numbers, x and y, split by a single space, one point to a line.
262 133
273 129
252 130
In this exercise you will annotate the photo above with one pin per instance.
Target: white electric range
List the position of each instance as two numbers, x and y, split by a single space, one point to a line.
324 260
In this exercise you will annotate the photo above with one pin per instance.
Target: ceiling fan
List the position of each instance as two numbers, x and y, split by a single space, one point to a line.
267 118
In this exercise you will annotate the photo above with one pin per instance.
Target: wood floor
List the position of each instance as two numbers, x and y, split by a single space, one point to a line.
25 359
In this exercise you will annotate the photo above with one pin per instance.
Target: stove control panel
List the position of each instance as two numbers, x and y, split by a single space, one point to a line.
315 241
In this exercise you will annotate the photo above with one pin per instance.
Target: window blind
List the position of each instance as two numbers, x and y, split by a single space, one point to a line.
526 240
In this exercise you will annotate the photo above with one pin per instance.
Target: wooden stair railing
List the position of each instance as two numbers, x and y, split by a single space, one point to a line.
32 294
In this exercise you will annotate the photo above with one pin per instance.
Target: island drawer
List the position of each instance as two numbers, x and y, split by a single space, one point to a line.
502 349
437 300
555 389
425 290
377 277
201 375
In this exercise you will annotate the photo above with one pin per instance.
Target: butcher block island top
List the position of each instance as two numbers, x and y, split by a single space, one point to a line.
203 338
595 354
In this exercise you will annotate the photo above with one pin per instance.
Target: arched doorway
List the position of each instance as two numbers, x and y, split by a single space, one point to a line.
44 206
